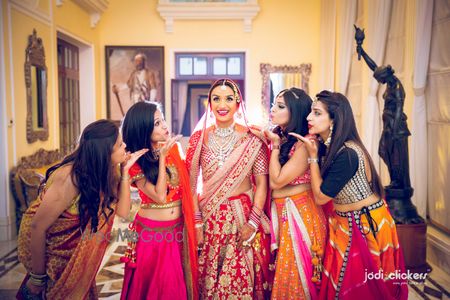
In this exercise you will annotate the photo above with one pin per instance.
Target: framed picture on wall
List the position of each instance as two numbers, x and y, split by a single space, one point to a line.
133 74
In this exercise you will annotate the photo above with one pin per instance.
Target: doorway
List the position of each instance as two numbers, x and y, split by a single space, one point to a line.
69 95
194 74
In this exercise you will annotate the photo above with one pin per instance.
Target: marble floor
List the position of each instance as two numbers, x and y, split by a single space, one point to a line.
109 277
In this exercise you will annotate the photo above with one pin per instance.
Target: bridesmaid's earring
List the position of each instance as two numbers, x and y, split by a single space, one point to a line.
328 141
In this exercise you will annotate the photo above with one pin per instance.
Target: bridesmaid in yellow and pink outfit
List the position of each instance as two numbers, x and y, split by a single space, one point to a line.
298 224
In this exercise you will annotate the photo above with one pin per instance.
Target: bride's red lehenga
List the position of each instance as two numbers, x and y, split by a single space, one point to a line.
227 271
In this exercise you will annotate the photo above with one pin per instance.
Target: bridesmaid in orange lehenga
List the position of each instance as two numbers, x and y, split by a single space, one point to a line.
362 235
230 164
299 228
63 234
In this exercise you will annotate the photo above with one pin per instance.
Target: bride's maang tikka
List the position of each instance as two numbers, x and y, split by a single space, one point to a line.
223 87
234 87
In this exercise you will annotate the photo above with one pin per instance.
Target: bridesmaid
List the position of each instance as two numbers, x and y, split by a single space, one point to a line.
162 264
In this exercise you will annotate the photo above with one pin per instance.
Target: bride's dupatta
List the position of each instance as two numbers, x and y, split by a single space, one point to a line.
227 178
237 166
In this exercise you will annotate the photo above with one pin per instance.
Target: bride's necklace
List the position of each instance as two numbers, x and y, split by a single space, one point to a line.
224 132
221 143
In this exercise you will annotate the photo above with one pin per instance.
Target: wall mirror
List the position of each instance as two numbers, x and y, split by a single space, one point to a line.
277 78
36 84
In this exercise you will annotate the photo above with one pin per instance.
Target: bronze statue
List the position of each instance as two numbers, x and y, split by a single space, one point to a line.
393 147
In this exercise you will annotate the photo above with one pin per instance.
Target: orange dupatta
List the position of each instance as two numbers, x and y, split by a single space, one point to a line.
190 259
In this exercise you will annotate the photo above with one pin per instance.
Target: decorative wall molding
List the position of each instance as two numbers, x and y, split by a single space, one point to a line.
35 57
93 7
171 11
31 8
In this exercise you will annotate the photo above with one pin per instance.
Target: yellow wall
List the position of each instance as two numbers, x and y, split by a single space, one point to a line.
284 32
18 25
22 26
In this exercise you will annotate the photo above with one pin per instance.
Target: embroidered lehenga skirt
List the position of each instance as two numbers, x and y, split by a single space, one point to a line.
299 224
225 270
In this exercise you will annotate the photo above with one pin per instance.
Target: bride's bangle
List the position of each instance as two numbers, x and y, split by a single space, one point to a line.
253 224
250 239
255 217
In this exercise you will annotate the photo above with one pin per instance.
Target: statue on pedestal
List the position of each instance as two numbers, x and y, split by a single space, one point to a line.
393 147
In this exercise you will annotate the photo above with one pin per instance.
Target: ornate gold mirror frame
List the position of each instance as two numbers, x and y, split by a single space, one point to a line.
36 83
266 69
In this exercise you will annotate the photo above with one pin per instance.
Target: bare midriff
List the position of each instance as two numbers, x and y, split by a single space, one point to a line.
290 190
357 205
161 214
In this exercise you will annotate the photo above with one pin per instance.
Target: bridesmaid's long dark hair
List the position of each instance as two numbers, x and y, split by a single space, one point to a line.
298 104
137 129
344 129
92 172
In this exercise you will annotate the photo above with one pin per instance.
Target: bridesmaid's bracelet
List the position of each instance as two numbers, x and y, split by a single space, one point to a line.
313 160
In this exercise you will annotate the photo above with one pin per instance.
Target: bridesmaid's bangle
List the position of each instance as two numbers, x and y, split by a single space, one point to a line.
38 276
313 160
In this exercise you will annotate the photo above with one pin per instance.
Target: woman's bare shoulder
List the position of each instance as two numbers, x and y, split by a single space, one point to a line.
62 180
